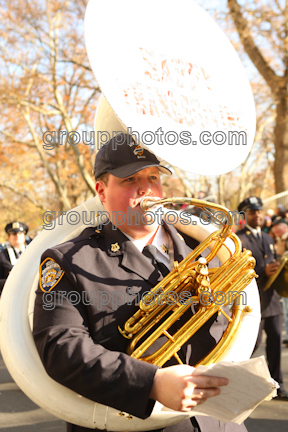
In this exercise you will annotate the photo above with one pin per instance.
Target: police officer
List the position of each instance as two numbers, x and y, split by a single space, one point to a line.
280 234
262 248
14 247
104 268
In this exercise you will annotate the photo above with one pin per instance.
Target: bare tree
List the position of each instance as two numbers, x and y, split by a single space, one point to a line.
46 85
268 22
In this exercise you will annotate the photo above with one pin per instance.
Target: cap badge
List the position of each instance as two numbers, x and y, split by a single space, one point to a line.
15 225
138 151
253 200
115 247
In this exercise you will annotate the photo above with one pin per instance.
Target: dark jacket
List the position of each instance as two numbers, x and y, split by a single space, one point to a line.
80 345
264 253
5 267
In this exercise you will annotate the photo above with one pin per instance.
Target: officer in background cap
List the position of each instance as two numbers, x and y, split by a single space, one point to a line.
14 247
251 203
262 247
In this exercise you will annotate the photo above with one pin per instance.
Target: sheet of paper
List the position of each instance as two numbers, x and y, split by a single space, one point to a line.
250 384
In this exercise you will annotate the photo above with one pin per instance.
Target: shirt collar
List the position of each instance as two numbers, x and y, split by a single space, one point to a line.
254 231
162 242
18 250
140 243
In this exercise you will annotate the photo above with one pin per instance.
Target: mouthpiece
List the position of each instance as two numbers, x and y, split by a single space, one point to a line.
147 202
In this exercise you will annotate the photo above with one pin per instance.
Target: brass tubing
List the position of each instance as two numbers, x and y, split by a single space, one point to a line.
199 249
236 266
231 329
226 338
234 274
168 288
143 315
184 200
132 326
158 332
237 242
150 322
191 327
188 329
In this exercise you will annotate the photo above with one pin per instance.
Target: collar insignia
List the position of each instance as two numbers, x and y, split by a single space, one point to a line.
180 236
97 231
115 247
248 232
165 249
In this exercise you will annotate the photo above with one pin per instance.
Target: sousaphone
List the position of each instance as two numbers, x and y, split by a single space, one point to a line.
160 65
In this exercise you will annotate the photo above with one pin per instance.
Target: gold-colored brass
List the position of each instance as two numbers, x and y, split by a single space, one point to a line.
279 280
157 313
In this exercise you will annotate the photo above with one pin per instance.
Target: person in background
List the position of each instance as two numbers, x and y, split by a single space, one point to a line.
280 216
267 224
13 249
262 247
280 234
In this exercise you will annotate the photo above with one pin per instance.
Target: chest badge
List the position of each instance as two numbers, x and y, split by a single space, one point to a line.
115 247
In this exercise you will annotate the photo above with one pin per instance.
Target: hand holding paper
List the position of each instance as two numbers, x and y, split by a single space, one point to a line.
250 384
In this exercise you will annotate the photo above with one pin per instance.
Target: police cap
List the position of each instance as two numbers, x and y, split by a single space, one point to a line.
122 157
16 227
251 203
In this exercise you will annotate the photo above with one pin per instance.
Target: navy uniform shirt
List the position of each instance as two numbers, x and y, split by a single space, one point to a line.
5 267
264 253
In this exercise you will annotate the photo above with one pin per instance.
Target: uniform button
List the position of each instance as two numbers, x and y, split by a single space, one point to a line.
265 256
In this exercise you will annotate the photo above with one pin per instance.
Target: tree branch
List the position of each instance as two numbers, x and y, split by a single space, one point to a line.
16 140
241 23
76 63
23 195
